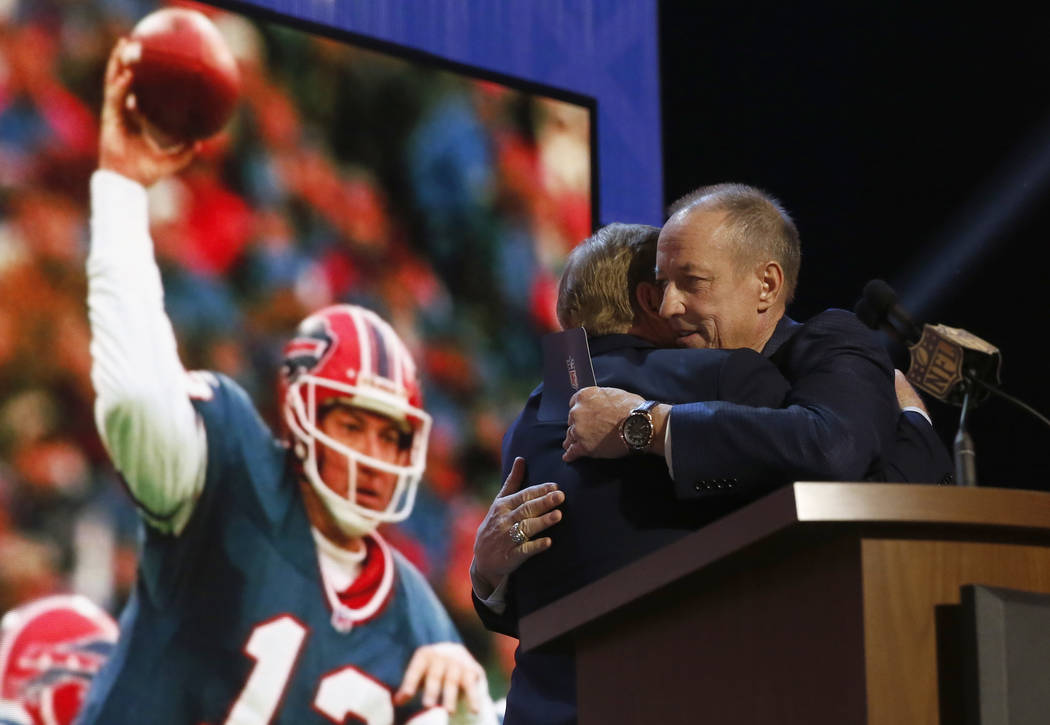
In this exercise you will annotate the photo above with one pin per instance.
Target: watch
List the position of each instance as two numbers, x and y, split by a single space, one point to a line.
637 428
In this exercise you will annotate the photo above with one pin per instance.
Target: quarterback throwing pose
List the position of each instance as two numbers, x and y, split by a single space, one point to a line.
264 594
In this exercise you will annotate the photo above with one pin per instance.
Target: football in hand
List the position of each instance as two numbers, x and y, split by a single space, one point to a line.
185 80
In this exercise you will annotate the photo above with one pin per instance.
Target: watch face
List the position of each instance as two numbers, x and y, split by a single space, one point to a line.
636 430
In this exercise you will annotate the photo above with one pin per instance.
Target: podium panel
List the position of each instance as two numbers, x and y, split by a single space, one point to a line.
904 581
816 604
752 644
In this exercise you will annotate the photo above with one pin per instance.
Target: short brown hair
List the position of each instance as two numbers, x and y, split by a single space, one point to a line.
758 225
597 286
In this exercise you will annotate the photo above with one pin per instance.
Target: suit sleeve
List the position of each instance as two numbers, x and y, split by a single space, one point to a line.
838 417
918 454
748 378
505 622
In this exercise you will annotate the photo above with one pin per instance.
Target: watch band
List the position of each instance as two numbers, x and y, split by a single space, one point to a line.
645 407
635 417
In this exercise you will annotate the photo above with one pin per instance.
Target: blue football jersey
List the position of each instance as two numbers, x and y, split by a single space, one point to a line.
229 622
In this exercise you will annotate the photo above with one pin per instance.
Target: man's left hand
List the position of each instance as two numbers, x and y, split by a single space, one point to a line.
907 395
444 670
533 509
595 415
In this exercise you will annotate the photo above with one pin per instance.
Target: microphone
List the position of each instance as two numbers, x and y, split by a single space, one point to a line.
947 362
950 364
878 309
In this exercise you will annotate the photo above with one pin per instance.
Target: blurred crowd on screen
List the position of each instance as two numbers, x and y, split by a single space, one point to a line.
446 204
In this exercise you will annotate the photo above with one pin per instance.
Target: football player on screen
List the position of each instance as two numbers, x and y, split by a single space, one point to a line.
264 593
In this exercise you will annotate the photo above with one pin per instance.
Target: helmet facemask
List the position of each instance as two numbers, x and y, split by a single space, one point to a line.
349 355
304 399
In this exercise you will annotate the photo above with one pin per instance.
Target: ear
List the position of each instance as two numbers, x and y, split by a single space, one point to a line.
649 297
771 284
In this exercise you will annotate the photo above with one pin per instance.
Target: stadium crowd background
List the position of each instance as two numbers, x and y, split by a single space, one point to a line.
445 203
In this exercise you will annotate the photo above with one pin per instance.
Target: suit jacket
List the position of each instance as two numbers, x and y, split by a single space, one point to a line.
841 420
615 510
916 454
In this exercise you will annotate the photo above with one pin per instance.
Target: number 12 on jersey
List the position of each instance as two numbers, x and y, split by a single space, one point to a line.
275 646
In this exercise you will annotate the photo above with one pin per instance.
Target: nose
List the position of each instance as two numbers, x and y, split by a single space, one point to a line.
670 303
369 447
366 474
370 444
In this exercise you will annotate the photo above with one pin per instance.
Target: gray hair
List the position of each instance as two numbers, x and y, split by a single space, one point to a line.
758 226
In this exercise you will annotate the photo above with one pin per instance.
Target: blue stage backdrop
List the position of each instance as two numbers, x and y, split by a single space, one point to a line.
605 49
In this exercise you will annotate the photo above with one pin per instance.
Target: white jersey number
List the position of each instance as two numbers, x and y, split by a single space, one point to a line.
349 692
275 646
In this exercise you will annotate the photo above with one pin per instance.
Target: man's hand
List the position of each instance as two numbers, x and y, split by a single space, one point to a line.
124 145
907 396
445 670
595 415
495 553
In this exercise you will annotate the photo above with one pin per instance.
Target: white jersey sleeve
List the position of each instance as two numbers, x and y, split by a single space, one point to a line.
142 408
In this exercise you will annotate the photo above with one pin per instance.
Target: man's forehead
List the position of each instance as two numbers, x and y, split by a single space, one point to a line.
692 224
680 265
345 406
364 410
697 233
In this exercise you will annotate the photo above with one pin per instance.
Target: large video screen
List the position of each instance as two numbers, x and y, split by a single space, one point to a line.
444 199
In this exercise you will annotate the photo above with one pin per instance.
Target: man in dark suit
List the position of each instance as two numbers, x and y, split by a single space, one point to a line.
841 410
727 264
607 518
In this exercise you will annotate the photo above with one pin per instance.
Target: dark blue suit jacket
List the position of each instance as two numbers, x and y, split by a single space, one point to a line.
841 420
916 455
615 510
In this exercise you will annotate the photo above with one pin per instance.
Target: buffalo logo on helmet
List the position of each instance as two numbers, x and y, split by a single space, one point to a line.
50 650
304 352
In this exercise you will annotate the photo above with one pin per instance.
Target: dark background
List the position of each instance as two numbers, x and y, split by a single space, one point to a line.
895 134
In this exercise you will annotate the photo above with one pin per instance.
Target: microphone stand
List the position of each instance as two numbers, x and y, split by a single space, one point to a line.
965 455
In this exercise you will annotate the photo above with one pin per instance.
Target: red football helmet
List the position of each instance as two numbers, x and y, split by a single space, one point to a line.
50 650
349 353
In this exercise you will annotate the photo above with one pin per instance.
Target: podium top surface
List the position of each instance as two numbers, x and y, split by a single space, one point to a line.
910 503
804 506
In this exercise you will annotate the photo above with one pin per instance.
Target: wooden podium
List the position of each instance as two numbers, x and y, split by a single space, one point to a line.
816 604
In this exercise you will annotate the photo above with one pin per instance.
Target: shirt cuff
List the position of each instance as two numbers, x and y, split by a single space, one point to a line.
497 600
920 411
667 448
